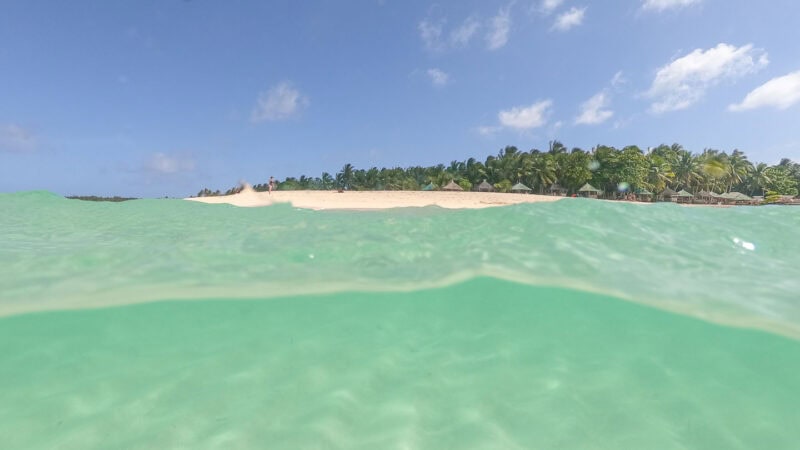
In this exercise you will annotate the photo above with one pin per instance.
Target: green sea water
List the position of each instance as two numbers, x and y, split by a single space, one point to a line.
576 324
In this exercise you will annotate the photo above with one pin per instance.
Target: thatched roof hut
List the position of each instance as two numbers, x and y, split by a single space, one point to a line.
452 186
684 196
643 194
668 195
520 188
587 190
736 198
429 187
485 187
708 196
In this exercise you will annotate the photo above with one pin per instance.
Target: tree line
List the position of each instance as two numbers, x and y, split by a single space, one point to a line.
609 169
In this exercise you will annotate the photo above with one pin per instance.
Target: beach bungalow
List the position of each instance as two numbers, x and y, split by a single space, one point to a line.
707 197
429 187
736 198
520 188
587 190
668 195
485 187
684 196
557 190
643 195
452 186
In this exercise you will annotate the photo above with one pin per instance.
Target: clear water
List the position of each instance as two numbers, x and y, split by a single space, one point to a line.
576 324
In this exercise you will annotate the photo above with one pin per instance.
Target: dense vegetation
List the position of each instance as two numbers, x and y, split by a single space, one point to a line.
610 169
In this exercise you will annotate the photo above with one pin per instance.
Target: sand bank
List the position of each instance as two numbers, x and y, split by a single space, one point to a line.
369 200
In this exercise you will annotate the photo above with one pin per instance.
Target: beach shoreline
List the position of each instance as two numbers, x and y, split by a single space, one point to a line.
378 200
375 200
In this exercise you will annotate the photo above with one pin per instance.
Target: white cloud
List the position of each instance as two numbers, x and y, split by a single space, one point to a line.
618 80
685 80
431 34
461 36
438 77
488 131
280 102
548 6
593 112
499 27
164 164
781 93
526 117
569 19
14 138
661 5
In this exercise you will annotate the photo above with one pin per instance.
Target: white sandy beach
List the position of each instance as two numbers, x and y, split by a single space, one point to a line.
369 200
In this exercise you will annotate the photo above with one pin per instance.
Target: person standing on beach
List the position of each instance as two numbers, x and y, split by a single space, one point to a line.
271 185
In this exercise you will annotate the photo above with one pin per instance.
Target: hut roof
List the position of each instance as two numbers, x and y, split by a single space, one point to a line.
667 192
452 186
484 186
643 191
684 193
588 188
520 187
738 196
429 187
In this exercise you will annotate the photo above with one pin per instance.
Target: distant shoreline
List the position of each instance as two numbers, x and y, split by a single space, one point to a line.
375 200
378 200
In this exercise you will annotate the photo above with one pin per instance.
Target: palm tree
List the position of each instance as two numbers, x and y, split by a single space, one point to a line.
542 171
327 180
738 168
659 172
759 178
345 176
556 148
686 168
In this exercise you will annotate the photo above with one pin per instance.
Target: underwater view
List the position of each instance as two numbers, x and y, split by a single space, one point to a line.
574 324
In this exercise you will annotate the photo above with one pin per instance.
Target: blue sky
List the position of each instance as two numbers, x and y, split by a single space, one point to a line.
164 97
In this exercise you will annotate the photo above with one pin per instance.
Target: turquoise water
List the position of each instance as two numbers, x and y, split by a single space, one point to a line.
575 324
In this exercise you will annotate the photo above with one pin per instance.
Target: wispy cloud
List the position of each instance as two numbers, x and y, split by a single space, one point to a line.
593 111
438 77
526 117
685 80
569 19
618 80
462 35
488 130
164 164
781 93
499 29
662 5
431 34
435 36
15 139
547 7
282 101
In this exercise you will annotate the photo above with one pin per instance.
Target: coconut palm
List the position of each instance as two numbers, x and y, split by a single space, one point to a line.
758 179
659 173
346 175
738 168
686 168
542 171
